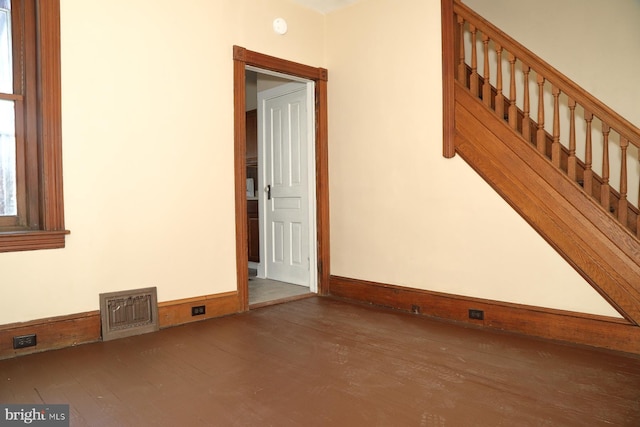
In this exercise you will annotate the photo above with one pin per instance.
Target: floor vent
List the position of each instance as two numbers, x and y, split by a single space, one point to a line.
128 313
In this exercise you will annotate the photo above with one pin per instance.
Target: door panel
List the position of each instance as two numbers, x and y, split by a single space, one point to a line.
285 170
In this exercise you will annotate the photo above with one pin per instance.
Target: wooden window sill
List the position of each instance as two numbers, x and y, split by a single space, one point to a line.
32 240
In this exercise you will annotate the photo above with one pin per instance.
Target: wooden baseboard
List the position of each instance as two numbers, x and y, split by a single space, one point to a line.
569 327
51 333
178 312
82 328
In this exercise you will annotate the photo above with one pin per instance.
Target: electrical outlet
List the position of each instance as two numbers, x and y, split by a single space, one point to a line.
24 341
198 310
476 314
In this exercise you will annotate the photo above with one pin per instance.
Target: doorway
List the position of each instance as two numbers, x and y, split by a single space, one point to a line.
280 186
315 87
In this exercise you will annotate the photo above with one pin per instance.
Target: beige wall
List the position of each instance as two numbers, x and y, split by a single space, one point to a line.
148 149
400 212
148 159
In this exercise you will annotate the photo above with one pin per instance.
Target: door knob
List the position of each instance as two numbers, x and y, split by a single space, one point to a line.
268 190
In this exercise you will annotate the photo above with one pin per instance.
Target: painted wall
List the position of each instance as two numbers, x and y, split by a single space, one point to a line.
148 149
400 212
148 159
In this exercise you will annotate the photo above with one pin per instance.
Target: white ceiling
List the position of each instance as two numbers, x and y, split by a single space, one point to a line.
325 6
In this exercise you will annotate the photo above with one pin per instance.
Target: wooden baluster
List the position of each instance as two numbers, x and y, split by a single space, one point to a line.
513 112
486 85
588 171
462 67
473 83
572 161
555 145
526 121
499 95
540 135
622 203
605 190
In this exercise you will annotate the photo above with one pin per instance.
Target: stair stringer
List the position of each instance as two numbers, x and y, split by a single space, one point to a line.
605 254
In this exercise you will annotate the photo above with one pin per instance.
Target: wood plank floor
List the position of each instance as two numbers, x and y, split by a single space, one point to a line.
323 362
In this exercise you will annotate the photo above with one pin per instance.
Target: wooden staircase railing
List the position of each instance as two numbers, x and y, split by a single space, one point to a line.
591 129
560 157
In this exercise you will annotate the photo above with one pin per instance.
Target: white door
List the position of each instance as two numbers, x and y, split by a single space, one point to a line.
285 143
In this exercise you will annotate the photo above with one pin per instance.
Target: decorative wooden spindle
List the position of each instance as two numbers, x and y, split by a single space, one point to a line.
588 171
526 120
462 67
486 84
622 203
513 112
572 161
555 145
605 190
638 217
540 135
473 80
499 95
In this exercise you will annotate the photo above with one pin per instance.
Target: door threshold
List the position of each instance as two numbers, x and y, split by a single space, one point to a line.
281 300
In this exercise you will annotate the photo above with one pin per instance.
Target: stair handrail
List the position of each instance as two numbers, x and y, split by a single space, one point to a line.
622 126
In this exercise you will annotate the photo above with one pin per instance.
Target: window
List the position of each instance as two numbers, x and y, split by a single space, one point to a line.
31 208
7 117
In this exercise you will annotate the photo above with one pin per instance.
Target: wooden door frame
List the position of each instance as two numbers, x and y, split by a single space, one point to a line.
241 59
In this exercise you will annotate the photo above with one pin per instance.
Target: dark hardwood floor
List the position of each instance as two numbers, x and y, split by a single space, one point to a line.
324 362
